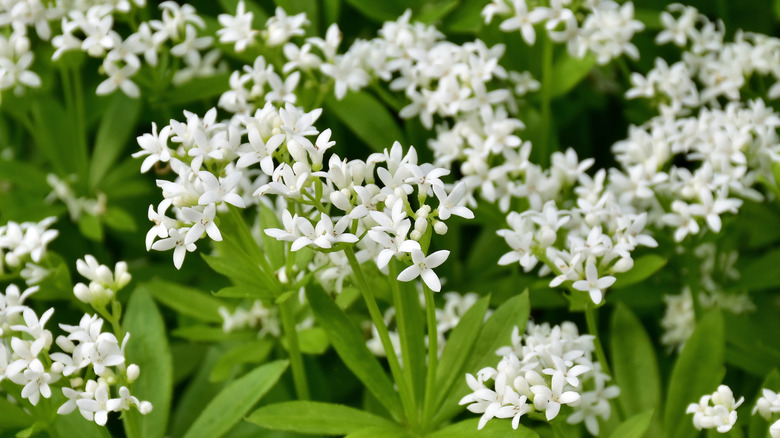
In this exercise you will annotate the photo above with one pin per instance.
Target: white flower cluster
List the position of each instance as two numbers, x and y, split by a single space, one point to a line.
23 246
606 29
715 269
721 415
327 207
721 68
258 315
88 26
15 61
543 370
103 285
278 29
26 360
767 405
447 318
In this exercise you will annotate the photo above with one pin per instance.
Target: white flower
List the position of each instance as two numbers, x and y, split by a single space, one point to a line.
593 284
422 266
155 146
202 221
222 190
237 29
176 240
550 399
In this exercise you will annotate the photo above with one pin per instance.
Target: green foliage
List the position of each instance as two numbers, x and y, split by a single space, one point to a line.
350 345
316 418
235 400
148 348
696 372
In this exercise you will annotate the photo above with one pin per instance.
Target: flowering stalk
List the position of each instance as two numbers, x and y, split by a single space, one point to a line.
376 317
296 359
433 354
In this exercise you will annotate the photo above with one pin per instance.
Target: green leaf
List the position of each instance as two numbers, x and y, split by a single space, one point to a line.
114 133
493 429
201 88
12 416
650 18
433 12
241 292
495 333
274 249
367 117
235 400
634 363
90 227
634 427
148 347
118 219
315 418
186 300
57 138
381 432
348 342
312 340
24 176
458 349
207 333
569 71
241 273
697 372
379 11
255 351
644 267
74 425
467 18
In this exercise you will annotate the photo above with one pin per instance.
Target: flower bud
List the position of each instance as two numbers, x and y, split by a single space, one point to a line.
440 227
144 407
132 372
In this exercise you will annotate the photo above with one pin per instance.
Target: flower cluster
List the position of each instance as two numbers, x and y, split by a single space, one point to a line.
606 30
722 414
23 246
542 371
767 405
325 208
103 284
26 359
258 315
16 59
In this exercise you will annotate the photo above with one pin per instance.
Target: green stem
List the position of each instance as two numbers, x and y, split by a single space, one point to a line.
384 335
590 319
296 359
403 331
544 149
433 354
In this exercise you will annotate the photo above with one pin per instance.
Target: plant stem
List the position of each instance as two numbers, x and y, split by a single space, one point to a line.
376 316
433 353
590 319
296 359
544 149
403 331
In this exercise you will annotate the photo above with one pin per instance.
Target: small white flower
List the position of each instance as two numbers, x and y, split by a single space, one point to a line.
422 266
593 284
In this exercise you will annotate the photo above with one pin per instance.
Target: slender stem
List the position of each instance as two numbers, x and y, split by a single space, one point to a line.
296 359
544 149
403 331
433 353
384 335
590 319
